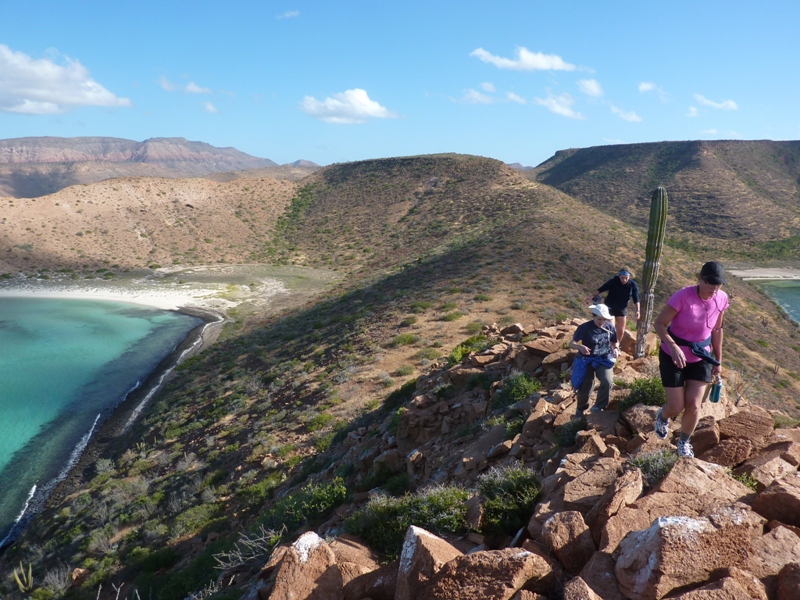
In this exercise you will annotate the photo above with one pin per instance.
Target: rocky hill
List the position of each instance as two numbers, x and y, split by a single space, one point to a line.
391 400
730 190
36 166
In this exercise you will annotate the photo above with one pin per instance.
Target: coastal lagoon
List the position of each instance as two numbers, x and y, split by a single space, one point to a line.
785 293
64 366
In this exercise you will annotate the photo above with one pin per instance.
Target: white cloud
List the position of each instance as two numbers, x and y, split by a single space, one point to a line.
646 87
193 88
590 87
351 106
289 14
724 105
561 105
709 132
525 61
42 87
488 87
514 98
475 97
692 112
189 88
626 115
210 108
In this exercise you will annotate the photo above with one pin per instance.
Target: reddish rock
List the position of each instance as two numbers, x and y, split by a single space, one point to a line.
678 551
348 548
766 469
705 436
625 490
422 556
377 585
781 500
789 582
723 589
308 571
489 575
578 589
583 492
599 575
567 535
770 553
755 424
730 452
692 488
544 346
640 418
526 595
751 584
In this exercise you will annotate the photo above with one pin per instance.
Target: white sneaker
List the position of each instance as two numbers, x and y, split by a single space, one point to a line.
661 427
685 449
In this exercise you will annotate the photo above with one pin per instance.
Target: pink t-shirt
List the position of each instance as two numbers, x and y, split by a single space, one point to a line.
696 317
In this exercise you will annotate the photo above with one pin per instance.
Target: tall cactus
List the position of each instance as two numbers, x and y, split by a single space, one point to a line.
655 242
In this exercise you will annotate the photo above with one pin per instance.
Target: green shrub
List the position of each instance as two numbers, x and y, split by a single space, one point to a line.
420 306
516 387
448 306
453 316
648 391
474 344
256 494
427 354
474 327
309 504
482 298
408 321
747 480
383 522
654 466
403 370
193 519
401 395
510 494
565 434
785 422
319 421
405 339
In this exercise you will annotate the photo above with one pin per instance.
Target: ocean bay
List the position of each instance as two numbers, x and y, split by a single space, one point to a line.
64 366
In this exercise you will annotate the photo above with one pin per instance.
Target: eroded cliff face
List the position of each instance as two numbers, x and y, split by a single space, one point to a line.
33 167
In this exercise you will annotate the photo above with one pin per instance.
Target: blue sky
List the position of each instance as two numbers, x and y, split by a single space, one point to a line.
351 80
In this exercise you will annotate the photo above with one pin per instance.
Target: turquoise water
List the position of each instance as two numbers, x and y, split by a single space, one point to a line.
785 293
64 366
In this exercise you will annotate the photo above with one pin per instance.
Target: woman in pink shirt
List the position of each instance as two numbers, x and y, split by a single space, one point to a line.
690 328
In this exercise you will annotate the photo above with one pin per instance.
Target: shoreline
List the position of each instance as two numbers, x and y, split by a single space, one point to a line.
766 273
120 418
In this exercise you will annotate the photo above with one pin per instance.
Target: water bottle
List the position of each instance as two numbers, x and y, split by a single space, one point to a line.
716 390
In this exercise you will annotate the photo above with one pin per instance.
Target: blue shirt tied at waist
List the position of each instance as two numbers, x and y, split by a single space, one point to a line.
581 364
697 348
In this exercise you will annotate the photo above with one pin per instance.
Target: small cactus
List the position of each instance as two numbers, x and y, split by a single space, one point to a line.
655 243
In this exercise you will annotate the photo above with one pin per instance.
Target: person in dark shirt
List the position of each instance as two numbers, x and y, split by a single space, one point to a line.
597 346
621 290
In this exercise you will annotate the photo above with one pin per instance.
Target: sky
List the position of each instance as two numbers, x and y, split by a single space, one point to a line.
355 79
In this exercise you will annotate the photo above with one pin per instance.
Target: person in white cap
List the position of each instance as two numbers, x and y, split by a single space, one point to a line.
598 347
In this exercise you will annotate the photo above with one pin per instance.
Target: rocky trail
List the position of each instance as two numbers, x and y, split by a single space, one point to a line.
601 529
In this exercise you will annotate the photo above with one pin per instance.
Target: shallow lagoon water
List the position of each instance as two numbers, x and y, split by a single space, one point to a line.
785 293
64 366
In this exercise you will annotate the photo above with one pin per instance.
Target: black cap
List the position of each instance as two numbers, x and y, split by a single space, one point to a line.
713 273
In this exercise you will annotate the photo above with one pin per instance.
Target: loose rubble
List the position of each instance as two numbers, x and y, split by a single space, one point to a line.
597 531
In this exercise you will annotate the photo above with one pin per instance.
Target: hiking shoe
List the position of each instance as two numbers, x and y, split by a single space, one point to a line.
661 427
596 409
578 415
685 449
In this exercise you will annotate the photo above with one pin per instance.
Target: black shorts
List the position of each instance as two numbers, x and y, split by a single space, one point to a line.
672 376
618 312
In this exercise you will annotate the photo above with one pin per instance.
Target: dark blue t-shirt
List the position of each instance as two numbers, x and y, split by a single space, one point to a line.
619 294
597 339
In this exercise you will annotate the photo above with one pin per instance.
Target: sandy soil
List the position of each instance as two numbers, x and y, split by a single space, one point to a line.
766 273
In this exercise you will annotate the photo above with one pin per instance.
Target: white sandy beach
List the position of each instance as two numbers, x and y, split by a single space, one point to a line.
157 295
766 273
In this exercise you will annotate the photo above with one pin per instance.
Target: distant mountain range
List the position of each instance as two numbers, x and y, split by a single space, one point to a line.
36 166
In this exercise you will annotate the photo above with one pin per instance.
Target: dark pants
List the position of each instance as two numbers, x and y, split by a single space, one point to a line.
606 377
